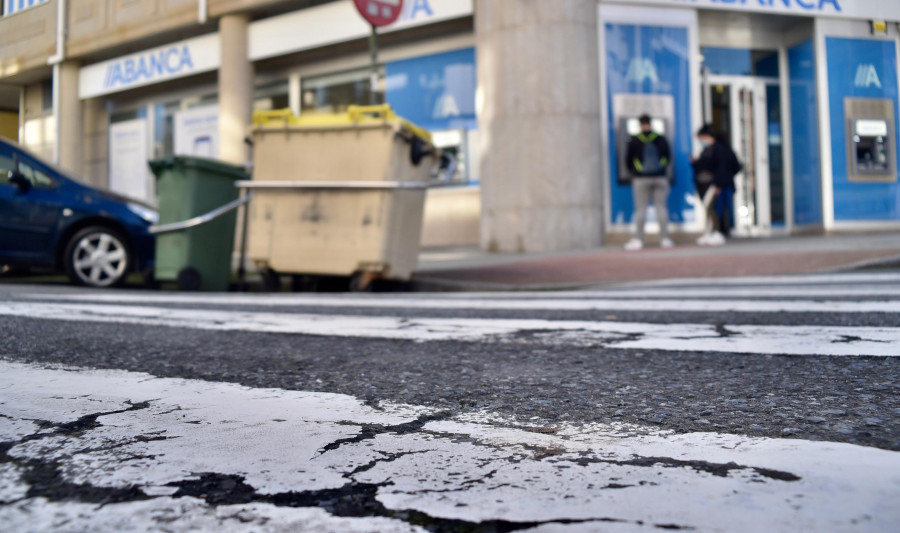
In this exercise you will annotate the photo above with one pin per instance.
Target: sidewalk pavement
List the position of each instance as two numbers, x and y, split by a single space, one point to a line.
472 269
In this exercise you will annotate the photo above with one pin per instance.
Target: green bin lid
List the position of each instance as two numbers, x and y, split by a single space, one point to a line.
212 166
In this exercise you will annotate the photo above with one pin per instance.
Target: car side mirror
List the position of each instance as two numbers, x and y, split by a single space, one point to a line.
19 180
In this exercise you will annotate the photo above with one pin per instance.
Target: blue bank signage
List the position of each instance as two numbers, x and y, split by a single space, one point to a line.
860 9
304 29
176 60
824 6
149 66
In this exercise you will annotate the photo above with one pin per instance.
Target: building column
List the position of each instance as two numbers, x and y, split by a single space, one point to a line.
235 89
70 118
539 119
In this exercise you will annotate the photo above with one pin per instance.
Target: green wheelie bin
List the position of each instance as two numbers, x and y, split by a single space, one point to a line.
195 233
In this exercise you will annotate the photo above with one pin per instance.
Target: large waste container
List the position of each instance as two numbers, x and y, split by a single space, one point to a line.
338 195
197 239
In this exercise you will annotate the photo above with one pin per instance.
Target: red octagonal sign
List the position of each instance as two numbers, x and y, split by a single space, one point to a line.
379 12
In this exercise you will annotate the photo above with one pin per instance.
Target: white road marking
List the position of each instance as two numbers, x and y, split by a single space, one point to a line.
745 339
165 515
681 303
160 434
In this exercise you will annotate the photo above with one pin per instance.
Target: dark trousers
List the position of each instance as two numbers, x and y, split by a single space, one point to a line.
725 202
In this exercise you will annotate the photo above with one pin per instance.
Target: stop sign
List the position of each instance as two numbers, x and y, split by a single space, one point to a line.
379 12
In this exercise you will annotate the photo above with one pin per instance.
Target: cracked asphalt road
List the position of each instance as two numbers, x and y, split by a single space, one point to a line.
556 412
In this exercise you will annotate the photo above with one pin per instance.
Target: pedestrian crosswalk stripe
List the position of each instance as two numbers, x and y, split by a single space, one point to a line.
506 303
743 339
155 436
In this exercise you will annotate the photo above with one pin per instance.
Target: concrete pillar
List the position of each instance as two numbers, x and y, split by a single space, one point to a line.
96 143
70 117
235 89
539 116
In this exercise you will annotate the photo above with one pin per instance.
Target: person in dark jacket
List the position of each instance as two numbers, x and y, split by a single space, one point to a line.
714 173
648 158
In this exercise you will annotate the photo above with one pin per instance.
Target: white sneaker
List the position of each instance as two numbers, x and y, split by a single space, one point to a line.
704 239
666 243
634 245
716 239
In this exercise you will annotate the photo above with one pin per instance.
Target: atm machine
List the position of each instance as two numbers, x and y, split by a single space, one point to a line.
627 108
871 146
462 144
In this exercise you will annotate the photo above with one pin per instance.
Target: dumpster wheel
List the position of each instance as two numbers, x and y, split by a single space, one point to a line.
362 281
189 279
271 279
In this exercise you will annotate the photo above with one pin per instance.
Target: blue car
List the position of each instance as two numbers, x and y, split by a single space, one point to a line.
48 220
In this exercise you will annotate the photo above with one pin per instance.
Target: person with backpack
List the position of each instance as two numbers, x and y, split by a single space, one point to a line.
714 173
648 159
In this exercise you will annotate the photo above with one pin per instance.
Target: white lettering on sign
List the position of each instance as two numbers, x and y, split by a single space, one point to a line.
446 107
303 29
867 76
641 69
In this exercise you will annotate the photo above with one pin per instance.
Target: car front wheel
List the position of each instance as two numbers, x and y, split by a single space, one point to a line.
97 257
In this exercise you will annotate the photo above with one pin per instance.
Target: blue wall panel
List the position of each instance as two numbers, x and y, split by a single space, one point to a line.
805 134
629 51
850 74
436 92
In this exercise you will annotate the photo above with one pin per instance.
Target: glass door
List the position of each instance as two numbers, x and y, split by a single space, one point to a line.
745 112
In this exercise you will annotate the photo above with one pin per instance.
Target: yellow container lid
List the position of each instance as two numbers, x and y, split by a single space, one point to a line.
356 115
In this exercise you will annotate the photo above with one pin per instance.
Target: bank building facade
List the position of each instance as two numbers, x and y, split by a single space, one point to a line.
535 97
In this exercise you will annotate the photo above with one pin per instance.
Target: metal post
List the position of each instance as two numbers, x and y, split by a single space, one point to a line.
242 273
373 80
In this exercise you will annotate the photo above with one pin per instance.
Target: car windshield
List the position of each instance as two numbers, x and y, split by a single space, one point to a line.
57 170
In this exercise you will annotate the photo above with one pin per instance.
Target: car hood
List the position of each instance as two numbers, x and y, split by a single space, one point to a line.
115 197
109 196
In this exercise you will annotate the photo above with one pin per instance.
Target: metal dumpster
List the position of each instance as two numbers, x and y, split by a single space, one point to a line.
338 194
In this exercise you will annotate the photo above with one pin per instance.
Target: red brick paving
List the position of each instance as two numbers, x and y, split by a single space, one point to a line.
620 266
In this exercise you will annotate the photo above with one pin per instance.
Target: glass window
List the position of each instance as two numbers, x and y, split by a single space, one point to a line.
200 101
271 96
334 93
13 6
436 92
776 155
765 64
740 62
164 129
37 178
122 116
6 164
164 117
47 95
721 111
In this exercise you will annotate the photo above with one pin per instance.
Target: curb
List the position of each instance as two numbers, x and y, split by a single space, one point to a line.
884 263
425 283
